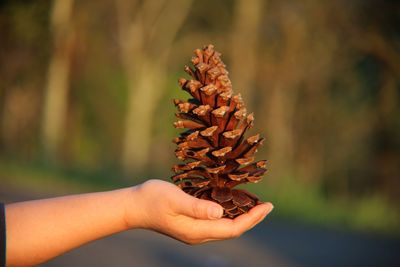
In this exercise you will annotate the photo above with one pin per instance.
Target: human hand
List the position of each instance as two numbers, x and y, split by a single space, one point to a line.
163 207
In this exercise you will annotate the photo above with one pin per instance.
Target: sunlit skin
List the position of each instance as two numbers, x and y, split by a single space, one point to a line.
43 229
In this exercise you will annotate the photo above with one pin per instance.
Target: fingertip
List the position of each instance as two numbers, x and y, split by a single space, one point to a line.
264 210
265 206
215 212
268 207
206 210
256 214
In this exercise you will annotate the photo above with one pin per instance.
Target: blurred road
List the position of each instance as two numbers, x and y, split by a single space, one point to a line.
273 243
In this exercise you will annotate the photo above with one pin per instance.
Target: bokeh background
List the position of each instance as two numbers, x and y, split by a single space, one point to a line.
86 90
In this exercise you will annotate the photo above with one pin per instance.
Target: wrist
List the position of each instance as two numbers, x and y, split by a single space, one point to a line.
133 206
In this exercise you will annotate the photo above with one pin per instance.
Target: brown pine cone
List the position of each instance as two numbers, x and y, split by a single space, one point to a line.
217 154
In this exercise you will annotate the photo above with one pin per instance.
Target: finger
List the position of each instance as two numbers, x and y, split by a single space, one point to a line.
259 212
226 228
248 220
197 208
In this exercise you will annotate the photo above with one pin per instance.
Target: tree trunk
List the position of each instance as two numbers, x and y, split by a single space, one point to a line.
145 40
245 40
55 107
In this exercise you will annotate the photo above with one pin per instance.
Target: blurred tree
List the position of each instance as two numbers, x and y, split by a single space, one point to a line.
146 40
56 95
247 20
286 76
23 57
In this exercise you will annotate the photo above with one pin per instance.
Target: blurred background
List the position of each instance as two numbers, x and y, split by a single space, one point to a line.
85 105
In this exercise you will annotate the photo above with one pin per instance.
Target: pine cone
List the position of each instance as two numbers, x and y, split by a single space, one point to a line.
218 155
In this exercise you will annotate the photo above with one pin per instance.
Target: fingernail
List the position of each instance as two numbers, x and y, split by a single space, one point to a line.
270 209
214 212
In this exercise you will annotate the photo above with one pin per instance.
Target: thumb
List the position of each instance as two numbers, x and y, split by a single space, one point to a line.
198 208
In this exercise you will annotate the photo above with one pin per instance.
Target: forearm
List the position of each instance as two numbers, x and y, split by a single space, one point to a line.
60 224
40 230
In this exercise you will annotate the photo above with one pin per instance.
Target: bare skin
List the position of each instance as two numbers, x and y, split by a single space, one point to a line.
40 230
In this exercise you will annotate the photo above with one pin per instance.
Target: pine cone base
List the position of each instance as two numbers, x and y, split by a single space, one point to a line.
240 201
